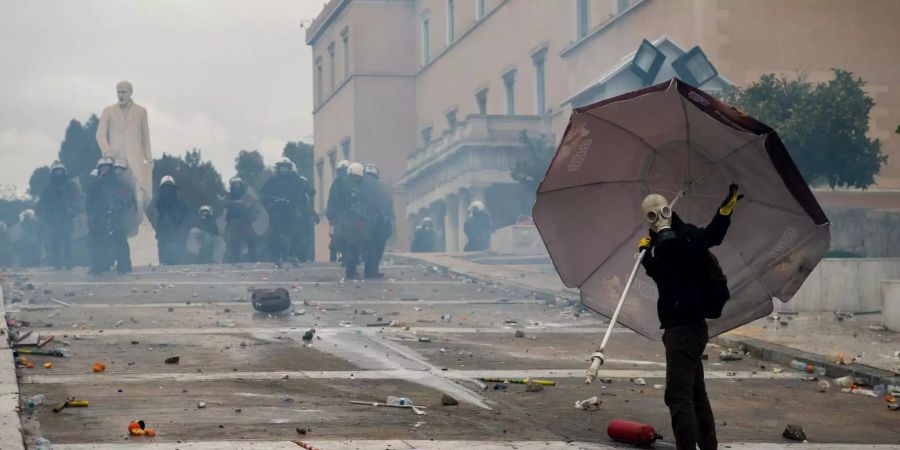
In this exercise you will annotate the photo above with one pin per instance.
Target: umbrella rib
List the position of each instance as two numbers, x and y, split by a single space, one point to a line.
634 135
747 263
596 183
626 130
610 255
729 155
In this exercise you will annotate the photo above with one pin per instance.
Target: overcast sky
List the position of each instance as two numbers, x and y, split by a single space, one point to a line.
220 75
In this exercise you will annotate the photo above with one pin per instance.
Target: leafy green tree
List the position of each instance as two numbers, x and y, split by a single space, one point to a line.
301 154
79 151
823 125
38 181
198 181
530 168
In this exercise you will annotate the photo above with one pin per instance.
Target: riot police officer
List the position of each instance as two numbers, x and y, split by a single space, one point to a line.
285 200
59 203
241 211
168 212
111 204
337 200
478 228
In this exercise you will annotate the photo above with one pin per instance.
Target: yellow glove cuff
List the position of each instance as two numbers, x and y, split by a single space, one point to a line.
729 207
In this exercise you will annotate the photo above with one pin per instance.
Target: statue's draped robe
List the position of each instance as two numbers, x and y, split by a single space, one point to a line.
124 134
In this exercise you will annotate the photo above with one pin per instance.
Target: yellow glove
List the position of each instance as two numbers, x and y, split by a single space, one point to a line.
727 206
644 244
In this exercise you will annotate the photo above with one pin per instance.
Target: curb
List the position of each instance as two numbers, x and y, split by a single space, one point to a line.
539 294
784 355
11 435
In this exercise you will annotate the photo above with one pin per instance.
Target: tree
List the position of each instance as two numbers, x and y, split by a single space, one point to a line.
251 167
301 154
38 181
79 151
529 169
823 125
198 181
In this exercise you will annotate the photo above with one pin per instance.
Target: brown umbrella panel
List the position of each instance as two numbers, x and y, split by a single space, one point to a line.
666 139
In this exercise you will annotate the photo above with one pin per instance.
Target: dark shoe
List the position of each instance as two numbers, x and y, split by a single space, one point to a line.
374 275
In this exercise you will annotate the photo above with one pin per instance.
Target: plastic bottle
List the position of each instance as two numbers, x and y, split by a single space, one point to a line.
35 401
808 368
42 444
63 353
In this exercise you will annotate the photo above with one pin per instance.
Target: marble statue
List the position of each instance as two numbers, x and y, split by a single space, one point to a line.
124 134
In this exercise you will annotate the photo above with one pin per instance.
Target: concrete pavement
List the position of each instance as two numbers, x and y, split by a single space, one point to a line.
418 333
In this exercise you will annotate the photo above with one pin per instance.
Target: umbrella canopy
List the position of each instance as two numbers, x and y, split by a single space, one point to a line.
665 139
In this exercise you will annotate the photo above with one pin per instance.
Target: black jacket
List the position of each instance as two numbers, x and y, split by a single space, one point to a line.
687 275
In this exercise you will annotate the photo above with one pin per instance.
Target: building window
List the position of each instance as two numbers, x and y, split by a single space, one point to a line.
451 21
320 182
451 118
540 81
332 162
345 148
481 100
479 9
345 49
582 16
426 135
509 82
331 65
318 88
426 40
622 5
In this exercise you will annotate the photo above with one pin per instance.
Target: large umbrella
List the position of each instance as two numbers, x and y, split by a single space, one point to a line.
678 141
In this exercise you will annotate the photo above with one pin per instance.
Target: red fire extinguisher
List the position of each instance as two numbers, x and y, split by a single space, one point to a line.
632 432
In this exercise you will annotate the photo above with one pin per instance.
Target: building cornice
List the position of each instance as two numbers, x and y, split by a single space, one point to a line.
601 28
346 81
320 24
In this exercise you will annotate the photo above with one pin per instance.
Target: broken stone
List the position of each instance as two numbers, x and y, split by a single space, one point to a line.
201 405
447 400
533 387
794 432
520 334
173 360
592 403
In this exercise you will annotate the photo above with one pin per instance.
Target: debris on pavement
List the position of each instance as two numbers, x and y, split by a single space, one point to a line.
839 358
35 401
794 432
225 323
588 404
447 400
846 381
730 356
520 334
173 360
201 405
860 391
517 381
99 366
659 387
824 386
639 434
71 403
638 381
139 428
48 365
531 386
808 368
271 300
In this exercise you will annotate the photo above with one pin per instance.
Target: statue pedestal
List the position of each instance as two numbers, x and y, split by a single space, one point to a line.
143 246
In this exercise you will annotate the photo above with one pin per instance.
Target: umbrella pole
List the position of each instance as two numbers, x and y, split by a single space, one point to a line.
598 358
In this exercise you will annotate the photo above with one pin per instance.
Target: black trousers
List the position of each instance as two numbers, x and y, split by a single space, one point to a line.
692 417
59 247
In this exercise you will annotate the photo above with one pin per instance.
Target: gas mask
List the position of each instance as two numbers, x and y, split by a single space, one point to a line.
657 212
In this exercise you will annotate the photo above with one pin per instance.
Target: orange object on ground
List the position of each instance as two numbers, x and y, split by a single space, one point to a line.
136 432
150 432
29 365
48 365
99 366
